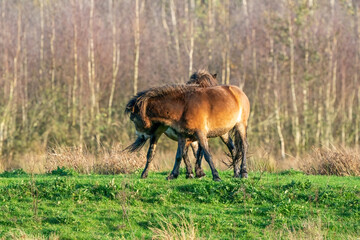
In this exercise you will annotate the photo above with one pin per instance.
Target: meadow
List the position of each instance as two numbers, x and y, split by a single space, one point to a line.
68 68
64 204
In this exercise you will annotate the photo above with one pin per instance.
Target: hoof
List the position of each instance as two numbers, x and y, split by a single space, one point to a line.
237 176
143 176
244 175
171 176
217 179
190 175
200 174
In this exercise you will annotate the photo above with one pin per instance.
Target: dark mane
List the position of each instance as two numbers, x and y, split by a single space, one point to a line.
200 78
138 102
203 78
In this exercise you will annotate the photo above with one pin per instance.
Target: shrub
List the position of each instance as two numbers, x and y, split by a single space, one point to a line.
112 161
63 171
332 161
182 230
13 173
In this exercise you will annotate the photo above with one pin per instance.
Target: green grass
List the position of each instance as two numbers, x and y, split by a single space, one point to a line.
282 205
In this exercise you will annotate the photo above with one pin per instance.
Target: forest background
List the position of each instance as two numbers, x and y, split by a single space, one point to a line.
67 69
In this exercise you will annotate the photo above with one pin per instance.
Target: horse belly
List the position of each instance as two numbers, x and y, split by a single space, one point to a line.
218 132
171 133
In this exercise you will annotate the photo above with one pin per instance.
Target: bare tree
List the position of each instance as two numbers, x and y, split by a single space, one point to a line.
115 58
292 79
137 45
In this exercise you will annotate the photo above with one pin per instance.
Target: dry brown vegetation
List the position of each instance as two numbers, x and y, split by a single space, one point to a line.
20 234
338 161
333 160
113 161
184 230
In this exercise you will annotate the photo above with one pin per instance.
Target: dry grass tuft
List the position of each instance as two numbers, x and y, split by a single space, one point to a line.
310 229
118 161
20 234
113 161
184 230
2 167
262 161
332 161
315 229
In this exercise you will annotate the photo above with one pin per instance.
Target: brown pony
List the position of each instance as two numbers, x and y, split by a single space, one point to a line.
201 78
194 114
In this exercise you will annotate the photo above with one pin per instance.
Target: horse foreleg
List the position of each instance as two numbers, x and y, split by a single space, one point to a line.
198 170
203 142
189 172
179 154
198 154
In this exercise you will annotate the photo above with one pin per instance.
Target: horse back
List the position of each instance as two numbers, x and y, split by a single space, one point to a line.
215 109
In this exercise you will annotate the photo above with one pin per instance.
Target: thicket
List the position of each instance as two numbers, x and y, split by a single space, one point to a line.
67 68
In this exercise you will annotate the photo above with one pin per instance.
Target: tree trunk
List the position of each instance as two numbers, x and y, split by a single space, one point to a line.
115 58
5 74
319 125
175 30
191 30
247 25
24 106
42 39
137 45
292 85
227 34
331 81
166 27
357 66
211 4
342 104
52 49
305 86
274 71
91 63
75 82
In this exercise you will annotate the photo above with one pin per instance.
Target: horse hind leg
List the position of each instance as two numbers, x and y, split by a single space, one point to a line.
241 149
189 172
151 152
179 154
203 142
149 157
198 154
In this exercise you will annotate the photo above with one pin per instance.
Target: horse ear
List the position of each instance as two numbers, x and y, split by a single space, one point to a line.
214 75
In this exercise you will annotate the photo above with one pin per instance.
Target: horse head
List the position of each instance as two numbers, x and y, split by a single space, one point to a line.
203 78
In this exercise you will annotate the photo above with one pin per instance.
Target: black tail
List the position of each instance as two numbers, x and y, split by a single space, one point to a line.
137 145
238 144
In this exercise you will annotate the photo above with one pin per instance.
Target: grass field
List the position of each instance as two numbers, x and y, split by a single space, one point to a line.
285 205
